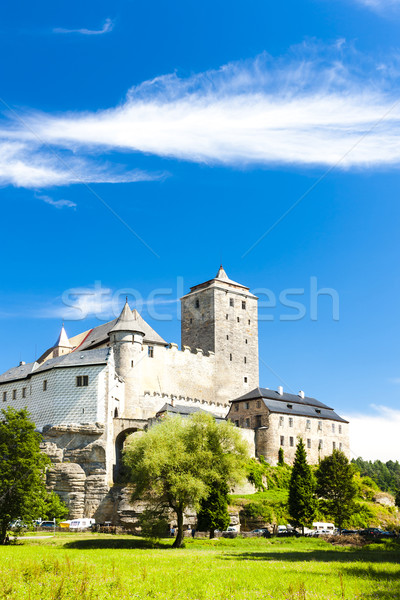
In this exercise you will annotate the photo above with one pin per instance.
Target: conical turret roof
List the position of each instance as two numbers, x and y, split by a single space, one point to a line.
62 340
127 321
221 274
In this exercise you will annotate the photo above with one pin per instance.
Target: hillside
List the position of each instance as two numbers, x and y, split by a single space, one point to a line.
375 507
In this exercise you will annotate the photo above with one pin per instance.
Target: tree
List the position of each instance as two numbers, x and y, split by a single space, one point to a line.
336 486
281 457
22 470
397 499
53 507
213 513
172 464
302 501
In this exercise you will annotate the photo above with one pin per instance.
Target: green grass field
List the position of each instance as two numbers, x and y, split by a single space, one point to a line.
89 566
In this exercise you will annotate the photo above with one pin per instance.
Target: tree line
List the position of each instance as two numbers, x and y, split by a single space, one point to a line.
386 475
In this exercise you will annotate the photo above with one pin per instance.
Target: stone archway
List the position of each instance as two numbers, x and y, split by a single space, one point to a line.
123 428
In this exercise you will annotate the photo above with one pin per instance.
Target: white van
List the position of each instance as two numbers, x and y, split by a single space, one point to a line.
81 523
321 528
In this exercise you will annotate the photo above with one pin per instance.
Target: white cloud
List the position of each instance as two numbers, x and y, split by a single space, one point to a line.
26 164
316 106
57 203
375 436
107 27
379 4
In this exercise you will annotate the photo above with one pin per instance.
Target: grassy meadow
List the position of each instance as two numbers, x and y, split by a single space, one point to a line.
91 566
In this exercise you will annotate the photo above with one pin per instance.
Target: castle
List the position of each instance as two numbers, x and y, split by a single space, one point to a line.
88 392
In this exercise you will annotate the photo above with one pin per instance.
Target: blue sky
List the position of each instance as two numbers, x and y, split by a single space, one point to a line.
141 144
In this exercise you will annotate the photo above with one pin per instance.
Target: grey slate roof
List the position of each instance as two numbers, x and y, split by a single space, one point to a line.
20 372
74 359
99 335
127 321
185 410
277 403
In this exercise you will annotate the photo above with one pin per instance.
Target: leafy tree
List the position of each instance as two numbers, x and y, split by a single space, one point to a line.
337 486
22 470
53 507
302 502
172 464
213 513
281 457
397 500
386 475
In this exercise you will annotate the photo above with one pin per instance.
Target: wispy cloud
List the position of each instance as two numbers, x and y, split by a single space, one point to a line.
379 5
56 203
107 27
316 106
375 436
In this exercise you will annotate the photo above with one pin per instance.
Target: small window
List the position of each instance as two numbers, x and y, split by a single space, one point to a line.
258 420
4 396
258 403
333 445
333 427
247 422
340 445
290 421
320 445
231 302
282 440
132 364
247 405
116 413
197 303
45 385
238 319
191 321
14 394
281 421
308 424
24 392
245 360
308 443
150 351
237 423
226 317
244 305
230 357
340 429
249 321
245 379
82 381
236 407
319 425
227 337
291 441
245 341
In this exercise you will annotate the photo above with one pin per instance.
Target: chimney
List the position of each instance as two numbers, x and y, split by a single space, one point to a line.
21 363
301 394
280 390
172 402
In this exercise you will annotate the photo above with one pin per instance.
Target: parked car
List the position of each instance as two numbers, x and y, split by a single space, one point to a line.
349 531
47 524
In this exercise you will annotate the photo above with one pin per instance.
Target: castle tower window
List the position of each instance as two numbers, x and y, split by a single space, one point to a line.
45 385
290 421
132 364
238 319
333 445
308 443
191 321
116 413
230 357
333 427
247 405
245 360
14 394
249 321
282 440
150 351
231 302
244 305
245 341
226 317
245 379
340 429
308 424
258 420
197 303
319 425
258 403
340 446
82 381
247 422
236 407
227 337
4 396
281 421
291 441
24 392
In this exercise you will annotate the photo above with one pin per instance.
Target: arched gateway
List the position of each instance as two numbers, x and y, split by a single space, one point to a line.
123 428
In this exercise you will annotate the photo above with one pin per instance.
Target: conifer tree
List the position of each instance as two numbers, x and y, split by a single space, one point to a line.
302 501
213 513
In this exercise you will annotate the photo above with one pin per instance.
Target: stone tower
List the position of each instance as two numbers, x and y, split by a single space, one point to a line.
126 338
220 316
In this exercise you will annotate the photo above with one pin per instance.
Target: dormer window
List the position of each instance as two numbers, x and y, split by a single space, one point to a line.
318 410
289 405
